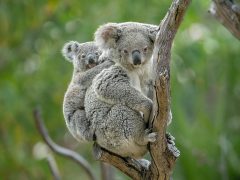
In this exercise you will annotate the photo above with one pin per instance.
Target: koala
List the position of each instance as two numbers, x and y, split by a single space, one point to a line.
116 102
85 60
144 70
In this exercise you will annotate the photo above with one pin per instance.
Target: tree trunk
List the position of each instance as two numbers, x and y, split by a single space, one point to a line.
163 154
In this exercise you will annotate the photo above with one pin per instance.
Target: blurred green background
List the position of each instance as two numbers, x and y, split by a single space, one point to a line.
205 82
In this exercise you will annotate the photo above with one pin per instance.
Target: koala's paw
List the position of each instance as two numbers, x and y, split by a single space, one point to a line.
170 138
150 136
90 135
171 145
145 163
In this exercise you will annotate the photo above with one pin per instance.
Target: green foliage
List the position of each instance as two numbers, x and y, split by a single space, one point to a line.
205 84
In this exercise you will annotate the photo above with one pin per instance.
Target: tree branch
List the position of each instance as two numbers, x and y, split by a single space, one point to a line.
164 155
130 167
61 150
106 171
228 14
53 167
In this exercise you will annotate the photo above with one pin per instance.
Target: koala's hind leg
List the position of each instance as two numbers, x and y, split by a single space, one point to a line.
79 126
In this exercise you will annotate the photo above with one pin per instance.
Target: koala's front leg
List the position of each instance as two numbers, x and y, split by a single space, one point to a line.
87 76
142 104
113 87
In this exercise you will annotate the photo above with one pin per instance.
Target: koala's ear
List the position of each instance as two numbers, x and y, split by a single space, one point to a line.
70 50
152 32
107 35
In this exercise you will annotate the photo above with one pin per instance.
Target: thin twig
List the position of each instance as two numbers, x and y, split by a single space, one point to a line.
61 150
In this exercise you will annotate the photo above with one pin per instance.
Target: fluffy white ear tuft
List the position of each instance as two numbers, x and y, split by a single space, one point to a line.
70 50
107 35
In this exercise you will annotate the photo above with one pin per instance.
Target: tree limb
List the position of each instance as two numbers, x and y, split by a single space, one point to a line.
130 167
106 171
164 156
228 14
61 150
53 167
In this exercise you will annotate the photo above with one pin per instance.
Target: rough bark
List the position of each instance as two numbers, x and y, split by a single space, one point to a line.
131 168
228 14
163 154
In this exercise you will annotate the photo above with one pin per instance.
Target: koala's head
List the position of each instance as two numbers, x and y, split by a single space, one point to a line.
132 43
83 56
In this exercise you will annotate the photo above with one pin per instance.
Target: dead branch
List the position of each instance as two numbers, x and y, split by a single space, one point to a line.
61 150
228 14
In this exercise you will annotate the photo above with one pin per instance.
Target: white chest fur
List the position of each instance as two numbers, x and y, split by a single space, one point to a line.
135 81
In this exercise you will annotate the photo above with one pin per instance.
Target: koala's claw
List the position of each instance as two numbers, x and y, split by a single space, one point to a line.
170 138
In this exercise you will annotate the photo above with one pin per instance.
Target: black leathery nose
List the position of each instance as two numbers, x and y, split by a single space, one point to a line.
136 57
90 59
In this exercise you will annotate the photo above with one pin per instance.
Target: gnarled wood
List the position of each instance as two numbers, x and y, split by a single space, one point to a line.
164 156
131 168
228 14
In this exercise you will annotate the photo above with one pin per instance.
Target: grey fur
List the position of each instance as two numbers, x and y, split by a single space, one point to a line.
116 103
85 59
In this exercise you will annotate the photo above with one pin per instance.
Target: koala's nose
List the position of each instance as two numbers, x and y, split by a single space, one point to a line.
136 57
91 59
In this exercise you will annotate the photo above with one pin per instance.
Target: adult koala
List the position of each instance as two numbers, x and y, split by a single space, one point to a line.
115 103
85 60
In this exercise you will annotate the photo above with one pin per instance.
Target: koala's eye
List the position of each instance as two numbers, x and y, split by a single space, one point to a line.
125 51
145 49
69 49
83 56
97 53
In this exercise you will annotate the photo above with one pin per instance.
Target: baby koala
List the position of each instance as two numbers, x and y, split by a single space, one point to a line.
85 60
